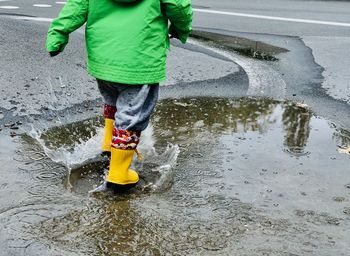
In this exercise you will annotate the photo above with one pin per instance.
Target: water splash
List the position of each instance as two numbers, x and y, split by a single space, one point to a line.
166 170
156 171
81 152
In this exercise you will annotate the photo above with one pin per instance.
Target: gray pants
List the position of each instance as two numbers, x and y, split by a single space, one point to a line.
134 103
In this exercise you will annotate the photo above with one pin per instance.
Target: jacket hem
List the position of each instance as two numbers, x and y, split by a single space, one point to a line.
114 74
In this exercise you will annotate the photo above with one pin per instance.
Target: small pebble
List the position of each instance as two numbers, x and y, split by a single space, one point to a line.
338 199
346 210
333 221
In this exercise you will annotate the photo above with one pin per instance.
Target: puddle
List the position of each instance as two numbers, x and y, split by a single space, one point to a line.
246 47
248 177
76 147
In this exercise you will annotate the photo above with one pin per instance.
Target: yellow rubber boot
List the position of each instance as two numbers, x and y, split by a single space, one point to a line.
120 177
107 135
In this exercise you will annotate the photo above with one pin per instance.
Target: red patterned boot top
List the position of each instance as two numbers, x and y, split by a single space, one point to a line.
109 111
123 139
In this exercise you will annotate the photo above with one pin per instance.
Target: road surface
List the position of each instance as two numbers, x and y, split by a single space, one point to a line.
256 106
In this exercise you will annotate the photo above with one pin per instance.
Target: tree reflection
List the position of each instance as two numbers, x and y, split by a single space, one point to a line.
213 115
296 121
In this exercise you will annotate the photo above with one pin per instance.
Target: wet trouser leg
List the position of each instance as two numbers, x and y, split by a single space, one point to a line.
134 104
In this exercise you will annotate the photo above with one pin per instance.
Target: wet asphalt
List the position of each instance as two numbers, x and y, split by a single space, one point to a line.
285 198
313 71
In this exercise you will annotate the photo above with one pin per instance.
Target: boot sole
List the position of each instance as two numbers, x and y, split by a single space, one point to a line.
117 188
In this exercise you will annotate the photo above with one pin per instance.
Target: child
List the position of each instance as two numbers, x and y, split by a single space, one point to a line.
126 44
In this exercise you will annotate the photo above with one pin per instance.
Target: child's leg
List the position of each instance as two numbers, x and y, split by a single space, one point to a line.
109 95
135 104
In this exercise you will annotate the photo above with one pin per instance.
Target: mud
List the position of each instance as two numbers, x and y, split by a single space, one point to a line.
253 177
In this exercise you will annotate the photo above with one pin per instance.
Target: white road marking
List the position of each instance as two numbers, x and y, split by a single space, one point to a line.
61 2
264 17
42 5
5 0
9 7
32 18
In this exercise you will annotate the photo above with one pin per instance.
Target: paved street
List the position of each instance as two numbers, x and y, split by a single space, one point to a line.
327 41
300 25
247 152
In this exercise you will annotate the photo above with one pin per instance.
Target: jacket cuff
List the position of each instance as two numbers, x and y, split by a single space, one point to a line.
56 42
183 34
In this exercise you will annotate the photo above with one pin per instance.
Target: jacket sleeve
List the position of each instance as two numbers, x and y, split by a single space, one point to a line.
72 16
179 12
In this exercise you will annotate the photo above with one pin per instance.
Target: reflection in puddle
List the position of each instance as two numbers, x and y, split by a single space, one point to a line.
250 174
296 121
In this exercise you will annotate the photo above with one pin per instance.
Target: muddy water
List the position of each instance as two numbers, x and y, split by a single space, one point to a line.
252 177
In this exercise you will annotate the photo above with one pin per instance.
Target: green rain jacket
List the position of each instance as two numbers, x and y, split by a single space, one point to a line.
126 40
